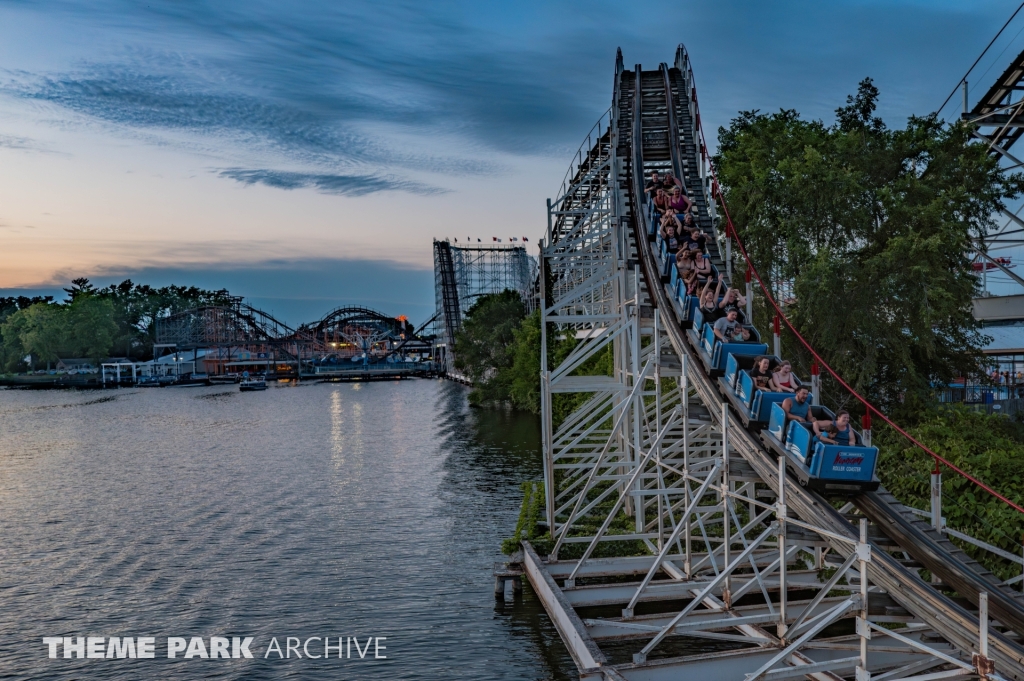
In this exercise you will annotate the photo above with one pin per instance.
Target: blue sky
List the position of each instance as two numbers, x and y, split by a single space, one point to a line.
305 154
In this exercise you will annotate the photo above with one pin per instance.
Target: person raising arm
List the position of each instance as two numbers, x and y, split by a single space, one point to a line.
709 301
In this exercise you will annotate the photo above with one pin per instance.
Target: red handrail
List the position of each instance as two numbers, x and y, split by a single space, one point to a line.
716 192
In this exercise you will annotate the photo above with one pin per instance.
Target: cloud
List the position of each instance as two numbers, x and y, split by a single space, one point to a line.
9 142
165 100
345 185
311 85
25 144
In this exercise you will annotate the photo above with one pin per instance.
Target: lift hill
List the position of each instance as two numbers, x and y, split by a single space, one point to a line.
735 543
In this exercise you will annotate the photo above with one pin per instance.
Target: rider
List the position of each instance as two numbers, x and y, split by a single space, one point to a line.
797 407
840 426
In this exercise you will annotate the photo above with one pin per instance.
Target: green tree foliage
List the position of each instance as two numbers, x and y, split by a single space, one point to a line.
524 382
11 351
987 447
79 287
90 326
84 327
874 226
499 349
483 345
92 322
37 330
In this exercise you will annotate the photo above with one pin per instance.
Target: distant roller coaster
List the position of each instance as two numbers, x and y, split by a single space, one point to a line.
464 273
341 334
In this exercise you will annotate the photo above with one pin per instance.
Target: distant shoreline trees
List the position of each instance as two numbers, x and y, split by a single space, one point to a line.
92 322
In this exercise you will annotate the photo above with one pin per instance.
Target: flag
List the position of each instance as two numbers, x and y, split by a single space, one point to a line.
456 239
495 238
525 239
478 240
512 238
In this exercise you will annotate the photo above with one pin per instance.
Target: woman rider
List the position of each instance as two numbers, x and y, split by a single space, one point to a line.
844 433
684 265
761 373
784 379
702 264
661 201
709 303
679 202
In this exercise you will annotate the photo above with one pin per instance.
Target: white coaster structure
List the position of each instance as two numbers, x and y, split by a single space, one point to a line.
680 548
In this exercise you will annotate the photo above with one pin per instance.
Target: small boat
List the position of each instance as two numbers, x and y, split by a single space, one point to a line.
252 384
220 379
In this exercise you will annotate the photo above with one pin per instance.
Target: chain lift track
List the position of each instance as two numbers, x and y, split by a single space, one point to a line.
653 458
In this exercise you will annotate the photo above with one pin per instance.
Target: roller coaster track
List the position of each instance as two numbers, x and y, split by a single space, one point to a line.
242 326
663 466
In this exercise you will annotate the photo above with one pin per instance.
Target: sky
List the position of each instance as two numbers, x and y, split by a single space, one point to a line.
306 154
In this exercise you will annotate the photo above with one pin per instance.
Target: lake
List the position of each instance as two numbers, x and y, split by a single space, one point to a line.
365 510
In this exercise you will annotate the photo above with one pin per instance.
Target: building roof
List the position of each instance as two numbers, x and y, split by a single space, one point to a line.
1006 340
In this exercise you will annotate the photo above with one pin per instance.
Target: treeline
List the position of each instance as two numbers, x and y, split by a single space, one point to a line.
116 320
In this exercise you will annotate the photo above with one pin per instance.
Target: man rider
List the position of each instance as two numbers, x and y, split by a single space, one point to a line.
726 327
797 408
653 185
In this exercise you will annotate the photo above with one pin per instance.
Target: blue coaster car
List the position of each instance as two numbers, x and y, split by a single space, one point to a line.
696 327
763 403
833 464
685 304
824 468
708 340
690 303
752 404
720 351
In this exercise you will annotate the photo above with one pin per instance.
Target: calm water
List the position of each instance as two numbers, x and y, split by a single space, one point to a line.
314 510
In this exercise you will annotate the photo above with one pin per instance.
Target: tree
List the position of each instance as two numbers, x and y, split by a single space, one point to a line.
39 330
482 345
79 287
11 350
93 322
524 374
875 228
90 326
137 307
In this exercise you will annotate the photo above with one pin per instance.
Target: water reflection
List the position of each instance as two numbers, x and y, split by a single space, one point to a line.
492 452
335 509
